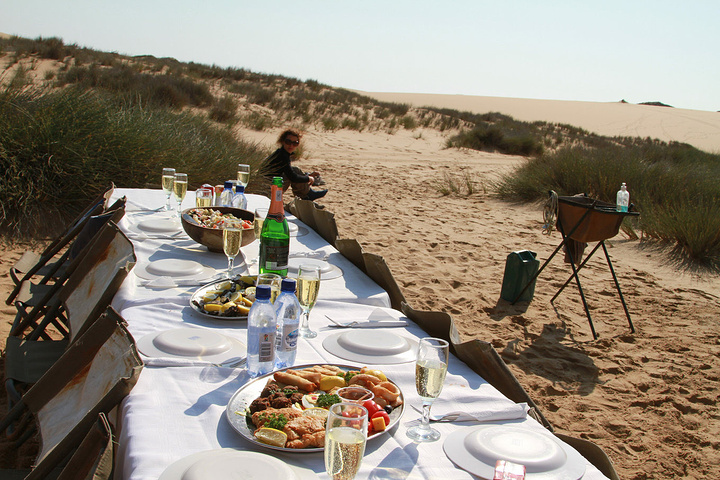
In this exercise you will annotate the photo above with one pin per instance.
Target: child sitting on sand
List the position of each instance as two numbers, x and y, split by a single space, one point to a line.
278 165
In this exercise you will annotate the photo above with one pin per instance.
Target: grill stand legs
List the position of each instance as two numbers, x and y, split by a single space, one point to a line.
577 278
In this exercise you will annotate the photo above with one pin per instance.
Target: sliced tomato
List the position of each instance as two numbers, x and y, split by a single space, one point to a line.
371 407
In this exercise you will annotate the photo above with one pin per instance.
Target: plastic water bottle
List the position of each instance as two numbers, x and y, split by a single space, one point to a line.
287 311
239 200
261 333
623 199
227 195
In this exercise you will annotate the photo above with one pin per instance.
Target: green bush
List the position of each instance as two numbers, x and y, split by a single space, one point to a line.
58 150
675 187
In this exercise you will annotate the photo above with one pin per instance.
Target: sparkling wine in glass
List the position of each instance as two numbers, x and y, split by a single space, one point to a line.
272 279
168 179
203 198
345 438
260 215
243 174
308 286
232 239
430 369
180 185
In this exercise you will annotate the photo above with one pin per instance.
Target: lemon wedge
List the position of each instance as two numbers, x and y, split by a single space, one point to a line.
213 307
271 436
329 382
226 306
250 291
235 296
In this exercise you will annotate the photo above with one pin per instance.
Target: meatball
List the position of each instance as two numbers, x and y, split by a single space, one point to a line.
259 404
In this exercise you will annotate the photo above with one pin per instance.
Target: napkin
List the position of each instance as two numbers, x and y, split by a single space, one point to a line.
169 282
479 405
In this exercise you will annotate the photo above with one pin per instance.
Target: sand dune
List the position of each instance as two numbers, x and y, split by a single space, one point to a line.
696 127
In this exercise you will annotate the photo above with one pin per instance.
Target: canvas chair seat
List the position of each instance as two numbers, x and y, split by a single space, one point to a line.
93 375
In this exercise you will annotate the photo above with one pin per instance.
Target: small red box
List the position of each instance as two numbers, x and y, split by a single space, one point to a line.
505 470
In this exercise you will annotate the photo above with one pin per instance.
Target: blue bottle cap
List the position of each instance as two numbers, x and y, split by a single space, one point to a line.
288 285
239 189
228 184
262 292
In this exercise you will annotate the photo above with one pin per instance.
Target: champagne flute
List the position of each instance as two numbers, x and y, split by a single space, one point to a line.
430 369
168 179
232 239
308 286
243 174
180 189
345 438
260 215
203 198
272 279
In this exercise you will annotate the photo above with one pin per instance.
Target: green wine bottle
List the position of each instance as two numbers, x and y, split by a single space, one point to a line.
275 234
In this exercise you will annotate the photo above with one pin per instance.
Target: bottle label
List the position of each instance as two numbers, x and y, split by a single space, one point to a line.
276 257
267 347
290 336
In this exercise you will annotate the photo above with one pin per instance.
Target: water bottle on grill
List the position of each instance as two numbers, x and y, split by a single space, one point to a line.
623 199
287 311
261 333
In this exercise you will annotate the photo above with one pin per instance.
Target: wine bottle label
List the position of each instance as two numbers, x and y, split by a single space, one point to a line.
276 257
267 347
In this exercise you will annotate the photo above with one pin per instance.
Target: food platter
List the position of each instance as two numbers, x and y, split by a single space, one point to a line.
238 406
196 301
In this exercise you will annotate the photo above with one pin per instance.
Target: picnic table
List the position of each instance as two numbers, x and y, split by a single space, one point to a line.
179 408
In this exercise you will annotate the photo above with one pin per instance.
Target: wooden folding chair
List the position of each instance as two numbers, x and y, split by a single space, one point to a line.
56 270
31 294
30 350
92 377
33 261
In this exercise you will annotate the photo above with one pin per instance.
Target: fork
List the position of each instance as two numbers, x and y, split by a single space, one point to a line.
235 364
449 417
367 324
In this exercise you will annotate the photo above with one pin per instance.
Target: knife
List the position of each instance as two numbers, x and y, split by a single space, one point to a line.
380 324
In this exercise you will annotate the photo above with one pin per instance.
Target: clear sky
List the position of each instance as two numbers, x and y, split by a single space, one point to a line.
649 50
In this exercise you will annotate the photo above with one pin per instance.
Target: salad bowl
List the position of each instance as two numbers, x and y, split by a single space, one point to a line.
209 232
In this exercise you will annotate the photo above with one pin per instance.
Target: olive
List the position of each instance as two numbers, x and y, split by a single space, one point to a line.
388 409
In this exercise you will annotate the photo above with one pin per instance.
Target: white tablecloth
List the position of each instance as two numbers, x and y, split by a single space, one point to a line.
177 411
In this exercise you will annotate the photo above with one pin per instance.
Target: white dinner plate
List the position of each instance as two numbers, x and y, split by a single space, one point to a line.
297 230
545 457
174 268
327 270
192 343
230 464
160 225
370 347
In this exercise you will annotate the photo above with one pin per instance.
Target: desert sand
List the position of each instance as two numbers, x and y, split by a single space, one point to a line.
699 128
648 398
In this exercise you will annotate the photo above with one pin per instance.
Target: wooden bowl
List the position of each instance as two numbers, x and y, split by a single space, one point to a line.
212 238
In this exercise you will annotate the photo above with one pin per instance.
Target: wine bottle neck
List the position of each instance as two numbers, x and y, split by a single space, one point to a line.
276 202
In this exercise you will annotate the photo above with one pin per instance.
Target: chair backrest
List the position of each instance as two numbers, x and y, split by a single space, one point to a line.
87 293
377 269
89 289
352 250
303 210
92 377
94 458
593 454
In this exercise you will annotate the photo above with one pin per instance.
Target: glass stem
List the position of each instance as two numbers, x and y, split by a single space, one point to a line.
427 405
305 320
167 203
231 261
